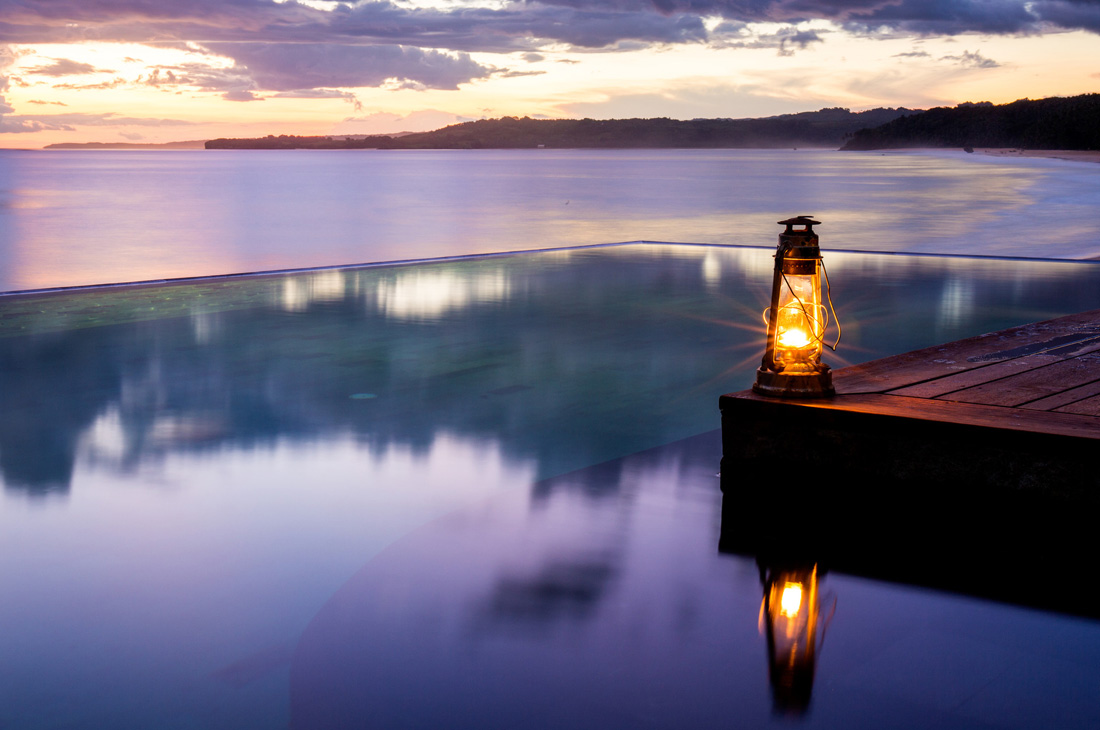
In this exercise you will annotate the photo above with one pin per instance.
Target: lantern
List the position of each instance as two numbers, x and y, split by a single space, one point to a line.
797 318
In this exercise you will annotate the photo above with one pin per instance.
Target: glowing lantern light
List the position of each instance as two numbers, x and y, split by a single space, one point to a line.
797 318
791 599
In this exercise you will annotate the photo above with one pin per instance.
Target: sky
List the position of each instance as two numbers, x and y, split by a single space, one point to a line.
156 71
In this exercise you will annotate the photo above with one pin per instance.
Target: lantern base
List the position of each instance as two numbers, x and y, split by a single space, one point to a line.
811 384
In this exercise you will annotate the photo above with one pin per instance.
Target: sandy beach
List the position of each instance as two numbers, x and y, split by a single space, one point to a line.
1075 155
1072 155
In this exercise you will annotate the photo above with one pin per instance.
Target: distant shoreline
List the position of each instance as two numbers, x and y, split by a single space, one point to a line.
1067 155
1071 155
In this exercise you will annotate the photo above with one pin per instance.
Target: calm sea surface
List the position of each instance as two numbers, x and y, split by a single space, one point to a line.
72 218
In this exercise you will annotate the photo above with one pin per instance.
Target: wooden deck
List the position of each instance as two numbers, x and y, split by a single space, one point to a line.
976 456
1036 384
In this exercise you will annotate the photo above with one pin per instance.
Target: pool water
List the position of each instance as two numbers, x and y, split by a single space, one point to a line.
470 493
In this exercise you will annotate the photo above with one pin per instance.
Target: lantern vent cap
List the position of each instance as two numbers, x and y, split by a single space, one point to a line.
799 220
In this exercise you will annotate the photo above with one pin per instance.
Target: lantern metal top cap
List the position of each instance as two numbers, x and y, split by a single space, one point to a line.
799 220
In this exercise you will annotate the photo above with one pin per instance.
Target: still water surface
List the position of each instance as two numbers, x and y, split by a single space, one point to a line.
73 218
459 494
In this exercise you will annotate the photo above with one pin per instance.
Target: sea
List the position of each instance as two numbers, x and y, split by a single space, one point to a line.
74 218
482 493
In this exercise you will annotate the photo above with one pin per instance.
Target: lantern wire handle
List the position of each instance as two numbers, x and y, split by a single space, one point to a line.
829 297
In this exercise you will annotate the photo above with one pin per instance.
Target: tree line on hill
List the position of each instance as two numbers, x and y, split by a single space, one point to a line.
824 128
1071 123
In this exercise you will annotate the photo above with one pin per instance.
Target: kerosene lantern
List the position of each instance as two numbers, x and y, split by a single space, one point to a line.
797 318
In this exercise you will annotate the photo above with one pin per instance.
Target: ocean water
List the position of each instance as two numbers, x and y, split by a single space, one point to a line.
76 218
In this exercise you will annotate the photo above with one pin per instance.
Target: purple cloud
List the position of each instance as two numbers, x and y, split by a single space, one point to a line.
66 67
290 46
517 25
290 67
23 123
321 94
971 60
241 95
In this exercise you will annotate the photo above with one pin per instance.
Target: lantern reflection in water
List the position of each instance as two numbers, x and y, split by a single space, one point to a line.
790 619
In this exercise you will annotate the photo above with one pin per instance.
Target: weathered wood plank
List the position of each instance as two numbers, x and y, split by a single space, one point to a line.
942 411
1065 398
938 361
1033 384
970 378
998 370
1087 407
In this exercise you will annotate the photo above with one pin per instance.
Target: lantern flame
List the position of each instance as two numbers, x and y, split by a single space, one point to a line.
791 600
794 339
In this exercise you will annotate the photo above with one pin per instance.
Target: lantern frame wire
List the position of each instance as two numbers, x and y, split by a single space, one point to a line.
802 306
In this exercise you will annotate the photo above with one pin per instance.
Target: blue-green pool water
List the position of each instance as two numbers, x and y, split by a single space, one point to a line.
373 497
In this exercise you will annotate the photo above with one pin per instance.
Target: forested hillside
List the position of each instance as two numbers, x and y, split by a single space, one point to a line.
1071 123
824 128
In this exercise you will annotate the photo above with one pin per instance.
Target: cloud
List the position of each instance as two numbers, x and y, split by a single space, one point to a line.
66 67
290 67
315 94
198 75
971 60
504 74
39 101
7 59
299 68
109 119
740 35
19 125
908 17
11 124
321 94
951 17
289 46
515 26
68 122
388 123
799 38
241 95
233 84
8 123
1084 14
112 84
709 102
